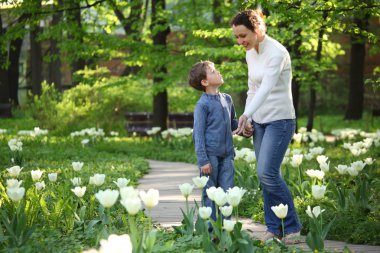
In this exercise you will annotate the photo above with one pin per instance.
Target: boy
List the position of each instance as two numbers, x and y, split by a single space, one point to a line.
214 121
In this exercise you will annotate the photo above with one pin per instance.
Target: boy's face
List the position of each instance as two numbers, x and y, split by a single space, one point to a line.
214 78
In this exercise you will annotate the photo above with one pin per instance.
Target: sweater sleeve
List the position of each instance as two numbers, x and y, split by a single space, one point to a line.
234 121
200 115
273 70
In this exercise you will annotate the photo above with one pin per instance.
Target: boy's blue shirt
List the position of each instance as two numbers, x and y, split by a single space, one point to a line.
214 121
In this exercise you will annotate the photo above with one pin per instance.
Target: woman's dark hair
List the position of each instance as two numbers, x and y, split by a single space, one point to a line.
251 19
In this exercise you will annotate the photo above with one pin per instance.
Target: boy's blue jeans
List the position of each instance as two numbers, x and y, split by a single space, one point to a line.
222 175
271 141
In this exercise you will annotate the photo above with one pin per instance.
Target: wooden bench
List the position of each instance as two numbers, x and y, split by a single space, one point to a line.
141 122
5 111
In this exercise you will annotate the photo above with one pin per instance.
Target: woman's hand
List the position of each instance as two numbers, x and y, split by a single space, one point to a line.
248 130
241 125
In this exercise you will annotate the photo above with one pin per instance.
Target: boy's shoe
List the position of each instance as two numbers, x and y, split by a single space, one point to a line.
293 238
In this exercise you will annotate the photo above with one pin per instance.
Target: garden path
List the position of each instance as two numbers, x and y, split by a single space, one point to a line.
166 176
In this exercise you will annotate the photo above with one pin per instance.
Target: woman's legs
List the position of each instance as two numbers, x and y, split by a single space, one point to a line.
271 141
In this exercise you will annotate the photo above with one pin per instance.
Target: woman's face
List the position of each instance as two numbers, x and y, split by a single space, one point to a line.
245 37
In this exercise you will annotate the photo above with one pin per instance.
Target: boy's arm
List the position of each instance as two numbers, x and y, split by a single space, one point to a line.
234 121
200 115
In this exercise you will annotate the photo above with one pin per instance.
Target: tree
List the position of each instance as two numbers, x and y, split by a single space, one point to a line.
160 29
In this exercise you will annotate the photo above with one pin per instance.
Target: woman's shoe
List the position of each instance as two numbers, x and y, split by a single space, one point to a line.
293 238
267 236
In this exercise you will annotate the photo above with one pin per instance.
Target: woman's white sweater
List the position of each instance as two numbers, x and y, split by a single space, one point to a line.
269 95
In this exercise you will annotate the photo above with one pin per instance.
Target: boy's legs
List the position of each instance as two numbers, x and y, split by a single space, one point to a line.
222 175
212 181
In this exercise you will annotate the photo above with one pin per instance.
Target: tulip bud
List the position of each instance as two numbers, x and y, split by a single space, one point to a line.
79 191
228 225
280 211
150 198
205 212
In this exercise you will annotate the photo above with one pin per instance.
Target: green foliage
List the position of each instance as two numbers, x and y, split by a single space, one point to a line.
101 104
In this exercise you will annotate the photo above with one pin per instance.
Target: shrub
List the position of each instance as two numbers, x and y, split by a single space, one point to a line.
101 104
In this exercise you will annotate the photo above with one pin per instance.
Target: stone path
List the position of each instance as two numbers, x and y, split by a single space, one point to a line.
166 176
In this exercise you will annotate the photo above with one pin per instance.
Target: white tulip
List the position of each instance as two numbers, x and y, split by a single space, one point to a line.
318 191
116 244
280 211
235 195
211 192
226 210
16 194
322 159
315 174
14 171
52 177
79 191
309 156
325 167
40 185
15 145
316 211
150 198
220 197
128 192
76 181
13 183
369 161
205 212
133 205
84 142
186 189
358 165
229 225
342 169
200 182
296 160
107 198
122 182
77 166
97 179
352 171
36 174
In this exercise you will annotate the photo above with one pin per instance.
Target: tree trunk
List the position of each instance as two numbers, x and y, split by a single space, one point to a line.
75 17
55 75
35 61
13 70
318 56
295 83
4 84
160 100
356 93
216 12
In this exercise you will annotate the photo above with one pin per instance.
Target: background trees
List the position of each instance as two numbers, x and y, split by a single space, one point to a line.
157 41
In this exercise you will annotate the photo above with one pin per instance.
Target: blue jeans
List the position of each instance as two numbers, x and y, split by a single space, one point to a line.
271 141
222 175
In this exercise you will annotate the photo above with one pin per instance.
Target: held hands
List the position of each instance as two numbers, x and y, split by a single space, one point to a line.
206 169
244 127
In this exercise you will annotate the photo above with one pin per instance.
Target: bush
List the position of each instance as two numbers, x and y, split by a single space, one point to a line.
101 104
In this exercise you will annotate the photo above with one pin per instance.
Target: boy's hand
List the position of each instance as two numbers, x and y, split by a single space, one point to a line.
241 125
248 130
206 169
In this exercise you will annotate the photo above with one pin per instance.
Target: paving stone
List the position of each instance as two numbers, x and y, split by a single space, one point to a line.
166 176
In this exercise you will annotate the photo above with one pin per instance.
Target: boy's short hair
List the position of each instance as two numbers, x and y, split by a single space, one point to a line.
198 73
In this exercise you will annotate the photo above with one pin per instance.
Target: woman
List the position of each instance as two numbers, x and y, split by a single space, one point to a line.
269 107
